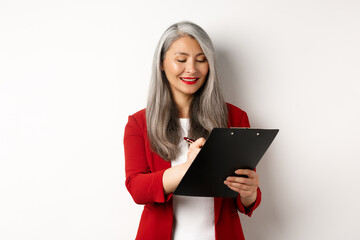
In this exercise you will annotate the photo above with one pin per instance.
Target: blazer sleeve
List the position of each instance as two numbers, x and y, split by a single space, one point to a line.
244 122
143 185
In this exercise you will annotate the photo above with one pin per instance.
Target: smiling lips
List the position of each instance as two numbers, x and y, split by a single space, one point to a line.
188 80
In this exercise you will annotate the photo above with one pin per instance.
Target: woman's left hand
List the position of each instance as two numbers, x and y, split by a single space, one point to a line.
246 187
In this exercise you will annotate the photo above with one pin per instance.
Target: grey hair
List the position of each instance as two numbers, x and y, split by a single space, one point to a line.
208 108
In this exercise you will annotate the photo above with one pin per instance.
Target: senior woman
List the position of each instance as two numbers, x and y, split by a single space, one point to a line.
184 99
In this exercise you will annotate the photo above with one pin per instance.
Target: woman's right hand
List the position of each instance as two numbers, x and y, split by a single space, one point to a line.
172 176
194 149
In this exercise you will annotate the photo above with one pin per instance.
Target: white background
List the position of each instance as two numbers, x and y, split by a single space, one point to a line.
72 71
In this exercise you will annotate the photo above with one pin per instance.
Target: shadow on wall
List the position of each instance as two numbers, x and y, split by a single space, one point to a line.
266 222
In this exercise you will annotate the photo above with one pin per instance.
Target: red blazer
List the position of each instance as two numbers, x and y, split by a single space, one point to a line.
144 171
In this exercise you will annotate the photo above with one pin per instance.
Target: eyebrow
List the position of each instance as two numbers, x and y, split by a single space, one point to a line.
186 54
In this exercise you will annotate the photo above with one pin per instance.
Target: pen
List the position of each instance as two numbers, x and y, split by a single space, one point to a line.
189 140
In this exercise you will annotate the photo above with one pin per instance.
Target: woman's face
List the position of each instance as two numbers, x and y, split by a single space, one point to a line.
185 67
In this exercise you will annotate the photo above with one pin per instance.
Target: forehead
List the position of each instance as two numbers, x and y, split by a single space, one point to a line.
185 44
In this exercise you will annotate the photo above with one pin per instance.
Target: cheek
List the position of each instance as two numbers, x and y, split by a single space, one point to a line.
176 68
173 69
204 70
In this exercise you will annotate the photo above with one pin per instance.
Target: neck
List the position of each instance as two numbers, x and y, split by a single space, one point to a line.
183 106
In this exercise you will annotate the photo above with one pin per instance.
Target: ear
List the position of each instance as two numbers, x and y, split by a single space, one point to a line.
162 66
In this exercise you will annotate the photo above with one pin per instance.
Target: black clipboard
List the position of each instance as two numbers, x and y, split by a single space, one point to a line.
225 150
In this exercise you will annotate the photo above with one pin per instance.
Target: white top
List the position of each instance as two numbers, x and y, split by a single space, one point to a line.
193 216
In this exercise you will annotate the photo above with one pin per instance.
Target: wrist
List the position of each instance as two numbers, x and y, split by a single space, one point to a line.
248 201
172 176
187 164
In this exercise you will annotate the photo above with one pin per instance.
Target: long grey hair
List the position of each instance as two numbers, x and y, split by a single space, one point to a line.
208 108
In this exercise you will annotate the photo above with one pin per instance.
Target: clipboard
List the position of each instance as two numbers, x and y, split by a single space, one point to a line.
225 150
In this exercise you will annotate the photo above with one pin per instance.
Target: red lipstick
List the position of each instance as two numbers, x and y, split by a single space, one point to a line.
189 80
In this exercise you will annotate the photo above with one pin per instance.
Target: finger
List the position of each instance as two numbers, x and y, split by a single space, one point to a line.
239 186
242 180
247 172
195 148
198 143
244 186
247 184
244 194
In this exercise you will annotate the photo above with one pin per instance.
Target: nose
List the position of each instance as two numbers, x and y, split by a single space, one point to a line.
190 66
